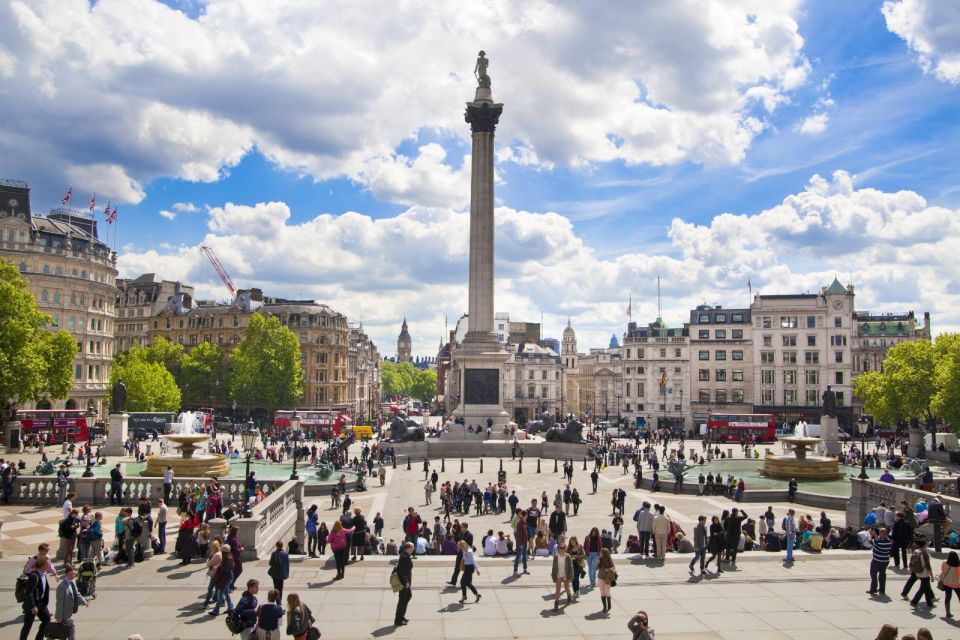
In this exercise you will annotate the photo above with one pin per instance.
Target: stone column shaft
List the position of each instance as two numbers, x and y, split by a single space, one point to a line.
481 235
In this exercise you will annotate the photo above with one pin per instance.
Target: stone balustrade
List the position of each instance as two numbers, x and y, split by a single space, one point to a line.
866 495
279 517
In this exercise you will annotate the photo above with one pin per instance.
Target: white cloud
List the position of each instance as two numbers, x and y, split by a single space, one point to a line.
816 123
185 207
169 215
930 28
415 264
144 88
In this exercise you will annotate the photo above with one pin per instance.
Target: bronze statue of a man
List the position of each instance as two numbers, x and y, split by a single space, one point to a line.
480 70
119 404
829 403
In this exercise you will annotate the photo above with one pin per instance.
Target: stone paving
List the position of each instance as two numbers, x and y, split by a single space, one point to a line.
822 593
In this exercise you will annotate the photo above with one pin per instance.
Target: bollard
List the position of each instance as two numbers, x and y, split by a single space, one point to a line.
461 465
554 465
408 463
584 464
501 464
538 465
520 465
443 465
394 461
481 464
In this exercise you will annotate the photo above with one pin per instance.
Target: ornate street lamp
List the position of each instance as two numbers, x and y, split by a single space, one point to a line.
249 438
91 418
294 431
862 425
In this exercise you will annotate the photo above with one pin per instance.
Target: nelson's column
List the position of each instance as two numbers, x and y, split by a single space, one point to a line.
481 357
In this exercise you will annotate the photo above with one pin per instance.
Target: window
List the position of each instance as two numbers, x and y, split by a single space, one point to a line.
789 376
529 375
790 396
721 318
736 317
720 334
56 297
704 317
676 370
811 322
543 374
702 355
721 354
703 334
704 396
721 396
767 357
676 353
640 388
663 353
703 375
46 269
839 398
768 341
58 271
811 341
788 322
838 377
627 392
738 375
767 323
789 357
737 354
44 296
767 397
737 334
838 357
766 376
78 372
628 357
737 395
543 392
811 357
789 341
23 266
640 370
812 377
640 355
813 398
838 341
837 322
720 375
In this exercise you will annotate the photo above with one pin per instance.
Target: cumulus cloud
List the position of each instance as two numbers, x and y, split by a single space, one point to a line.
930 28
169 215
816 123
150 91
415 263
185 207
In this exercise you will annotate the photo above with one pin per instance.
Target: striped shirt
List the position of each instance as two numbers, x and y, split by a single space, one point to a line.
881 549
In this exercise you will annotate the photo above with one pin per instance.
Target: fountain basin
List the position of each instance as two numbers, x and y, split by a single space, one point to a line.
805 468
187 463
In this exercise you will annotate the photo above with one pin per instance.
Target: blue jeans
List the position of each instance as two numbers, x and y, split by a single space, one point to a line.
698 553
520 554
593 558
221 595
790 540
210 592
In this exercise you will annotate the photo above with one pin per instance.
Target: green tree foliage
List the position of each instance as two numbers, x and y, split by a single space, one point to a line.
397 378
266 370
919 380
164 352
203 375
424 385
150 387
35 362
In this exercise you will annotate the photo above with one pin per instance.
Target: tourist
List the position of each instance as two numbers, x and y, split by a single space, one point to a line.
592 546
299 618
95 538
937 516
558 522
520 532
639 626
340 545
359 538
561 573
923 633
732 531
469 567
575 498
311 529
37 593
246 609
607 578
411 525
950 579
644 519
269 616
789 526
881 545
222 579
919 570
213 563
116 485
68 531
888 632
579 561
660 530
279 567
322 533
715 544
167 483
68 600
404 571
700 544
792 490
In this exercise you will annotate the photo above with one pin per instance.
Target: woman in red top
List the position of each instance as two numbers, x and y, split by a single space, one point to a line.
340 545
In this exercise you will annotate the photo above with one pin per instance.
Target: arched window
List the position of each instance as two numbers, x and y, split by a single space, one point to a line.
83 274
23 267
56 297
83 300
73 272
71 404
46 269
44 296
44 404
73 298
58 271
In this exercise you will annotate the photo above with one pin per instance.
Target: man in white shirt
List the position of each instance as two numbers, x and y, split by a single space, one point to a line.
68 504
167 483
503 545
490 546
422 545
162 525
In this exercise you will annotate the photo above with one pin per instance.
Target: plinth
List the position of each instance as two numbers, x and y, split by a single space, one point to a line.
116 435
830 434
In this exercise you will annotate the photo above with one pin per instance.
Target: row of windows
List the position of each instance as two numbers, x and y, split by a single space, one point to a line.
531 392
790 376
720 375
794 322
720 334
720 354
811 397
93 373
720 396
720 318
790 357
641 353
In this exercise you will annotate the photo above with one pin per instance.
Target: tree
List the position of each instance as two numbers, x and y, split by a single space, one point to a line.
164 352
266 366
203 375
397 378
946 401
424 385
150 387
35 362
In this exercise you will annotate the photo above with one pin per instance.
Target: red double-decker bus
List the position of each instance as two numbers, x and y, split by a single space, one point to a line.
320 424
55 426
739 427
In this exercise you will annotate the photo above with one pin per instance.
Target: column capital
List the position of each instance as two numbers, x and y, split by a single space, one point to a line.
483 116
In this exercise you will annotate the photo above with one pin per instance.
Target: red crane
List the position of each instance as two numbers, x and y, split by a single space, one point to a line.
220 270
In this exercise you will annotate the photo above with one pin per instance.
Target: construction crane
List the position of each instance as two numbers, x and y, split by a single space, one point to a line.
220 271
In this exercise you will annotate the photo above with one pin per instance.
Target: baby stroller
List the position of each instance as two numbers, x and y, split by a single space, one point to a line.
87 579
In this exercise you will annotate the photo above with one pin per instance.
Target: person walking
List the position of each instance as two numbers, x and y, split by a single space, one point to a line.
358 541
592 547
902 536
36 597
116 485
520 540
405 573
938 517
579 562
279 567
236 554
299 618
715 544
468 564
561 573
213 563
339 539
246 609
68 600
949 578
921 570
167 483
269 616
558 522
700 544
322 533
881 546
607 578
221 581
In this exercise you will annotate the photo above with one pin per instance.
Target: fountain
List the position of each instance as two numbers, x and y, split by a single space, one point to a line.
799 465
192 462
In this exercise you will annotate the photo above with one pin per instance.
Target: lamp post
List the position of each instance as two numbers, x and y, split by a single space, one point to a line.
91 418
294 431
249 438
862 425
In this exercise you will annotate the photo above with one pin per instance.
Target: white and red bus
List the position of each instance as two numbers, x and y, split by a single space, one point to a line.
54 426
739 427
320 424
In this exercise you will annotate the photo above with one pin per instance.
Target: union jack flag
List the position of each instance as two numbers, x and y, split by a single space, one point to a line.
66 198
112 217
106 210
93 201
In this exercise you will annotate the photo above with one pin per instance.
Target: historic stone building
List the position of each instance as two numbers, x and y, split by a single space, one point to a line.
363 375
533 377
721 368
141 298
655 384
71 274
876 333
404 344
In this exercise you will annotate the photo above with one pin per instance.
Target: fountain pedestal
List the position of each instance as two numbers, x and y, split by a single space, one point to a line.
799 465
191 463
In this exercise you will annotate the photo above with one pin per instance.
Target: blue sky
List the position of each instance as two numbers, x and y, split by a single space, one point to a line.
623 140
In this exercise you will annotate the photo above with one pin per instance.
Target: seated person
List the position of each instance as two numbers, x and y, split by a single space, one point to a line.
863 538
490 545
633 544
422 546
504 545
391 548
540 545
449 546
683 545
772 542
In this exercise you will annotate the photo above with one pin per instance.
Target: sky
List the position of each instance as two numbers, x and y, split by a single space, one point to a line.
319 148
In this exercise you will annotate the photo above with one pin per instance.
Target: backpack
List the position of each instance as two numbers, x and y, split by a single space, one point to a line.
64 530
233 623
136 528
20 590
916 563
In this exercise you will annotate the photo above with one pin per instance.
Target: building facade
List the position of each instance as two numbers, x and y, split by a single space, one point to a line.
533 378
721 368
141 298
656 375
363 375
71 274
404 344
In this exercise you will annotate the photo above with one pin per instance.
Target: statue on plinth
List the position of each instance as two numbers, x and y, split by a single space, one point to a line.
829 403
119 404
480 70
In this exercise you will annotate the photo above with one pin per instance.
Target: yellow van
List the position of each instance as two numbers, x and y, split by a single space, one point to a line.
362 431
